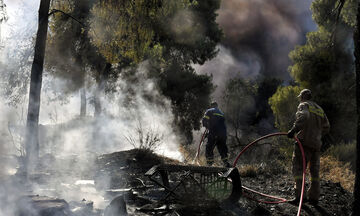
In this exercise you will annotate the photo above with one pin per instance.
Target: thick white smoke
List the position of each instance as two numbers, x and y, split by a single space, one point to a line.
62 132
21 28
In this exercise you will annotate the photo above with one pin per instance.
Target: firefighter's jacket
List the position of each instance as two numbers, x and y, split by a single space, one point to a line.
311 124
214 121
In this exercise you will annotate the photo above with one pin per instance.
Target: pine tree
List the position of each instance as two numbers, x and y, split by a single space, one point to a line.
32 136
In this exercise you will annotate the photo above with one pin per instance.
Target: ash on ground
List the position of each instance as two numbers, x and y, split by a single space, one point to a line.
115 184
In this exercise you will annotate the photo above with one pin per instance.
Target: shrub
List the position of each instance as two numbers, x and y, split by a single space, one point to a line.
145 138
344 153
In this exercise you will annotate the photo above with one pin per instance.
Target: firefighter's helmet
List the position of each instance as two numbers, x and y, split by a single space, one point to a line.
305 93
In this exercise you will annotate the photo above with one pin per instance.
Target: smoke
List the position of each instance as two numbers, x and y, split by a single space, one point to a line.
66 141
186 28
258 36
22 22
121 117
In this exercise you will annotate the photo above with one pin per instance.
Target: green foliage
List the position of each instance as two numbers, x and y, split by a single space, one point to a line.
325 66
190 33
349 12
284 104
131 29
328 72
314 62
123 28
170 35
325 12
69 51
190 96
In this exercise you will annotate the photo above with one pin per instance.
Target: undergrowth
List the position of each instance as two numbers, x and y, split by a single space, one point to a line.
344 152
337 171
248 170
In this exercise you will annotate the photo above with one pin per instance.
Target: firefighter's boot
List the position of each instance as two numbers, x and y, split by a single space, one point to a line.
314 191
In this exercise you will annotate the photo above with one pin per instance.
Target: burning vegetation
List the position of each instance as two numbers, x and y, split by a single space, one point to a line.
103 105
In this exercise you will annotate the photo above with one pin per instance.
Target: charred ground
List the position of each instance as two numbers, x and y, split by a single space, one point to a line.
120 177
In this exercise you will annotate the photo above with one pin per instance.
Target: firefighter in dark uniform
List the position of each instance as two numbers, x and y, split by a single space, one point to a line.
214 121
310 125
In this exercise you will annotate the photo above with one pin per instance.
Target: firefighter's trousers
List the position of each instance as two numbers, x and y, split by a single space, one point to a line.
312 158
220 142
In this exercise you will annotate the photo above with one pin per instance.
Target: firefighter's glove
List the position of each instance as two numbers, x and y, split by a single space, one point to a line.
291 133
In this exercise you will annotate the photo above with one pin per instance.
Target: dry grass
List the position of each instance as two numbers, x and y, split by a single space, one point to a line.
248 171
336 171
344 152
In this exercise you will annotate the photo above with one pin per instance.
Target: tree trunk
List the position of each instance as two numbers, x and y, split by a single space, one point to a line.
101 89
97 102
31 137
356 204
83 102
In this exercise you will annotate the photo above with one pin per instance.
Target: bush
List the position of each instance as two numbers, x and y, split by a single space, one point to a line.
145 138
344 153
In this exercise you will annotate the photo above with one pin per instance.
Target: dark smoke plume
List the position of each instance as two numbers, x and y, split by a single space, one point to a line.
258 36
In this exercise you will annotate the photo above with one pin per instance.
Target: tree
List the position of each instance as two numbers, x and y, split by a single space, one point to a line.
325 65
31 138
239 107
126 33
189 94
172 35
71 56
356 203
246 108
283 104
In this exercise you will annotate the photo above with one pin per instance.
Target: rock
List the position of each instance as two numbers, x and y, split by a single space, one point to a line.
42 206
117 207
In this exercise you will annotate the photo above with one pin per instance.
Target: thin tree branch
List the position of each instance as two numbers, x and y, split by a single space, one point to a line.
53 11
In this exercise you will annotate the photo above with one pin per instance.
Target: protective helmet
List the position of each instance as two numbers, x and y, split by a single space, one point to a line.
214 104
305 93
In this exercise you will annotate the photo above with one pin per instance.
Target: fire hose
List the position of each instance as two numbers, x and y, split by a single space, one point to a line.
280 200
201 142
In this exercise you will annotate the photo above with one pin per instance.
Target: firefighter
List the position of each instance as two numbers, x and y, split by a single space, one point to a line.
214 121
310 125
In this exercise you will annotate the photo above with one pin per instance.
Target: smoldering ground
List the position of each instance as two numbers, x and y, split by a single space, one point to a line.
69 145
